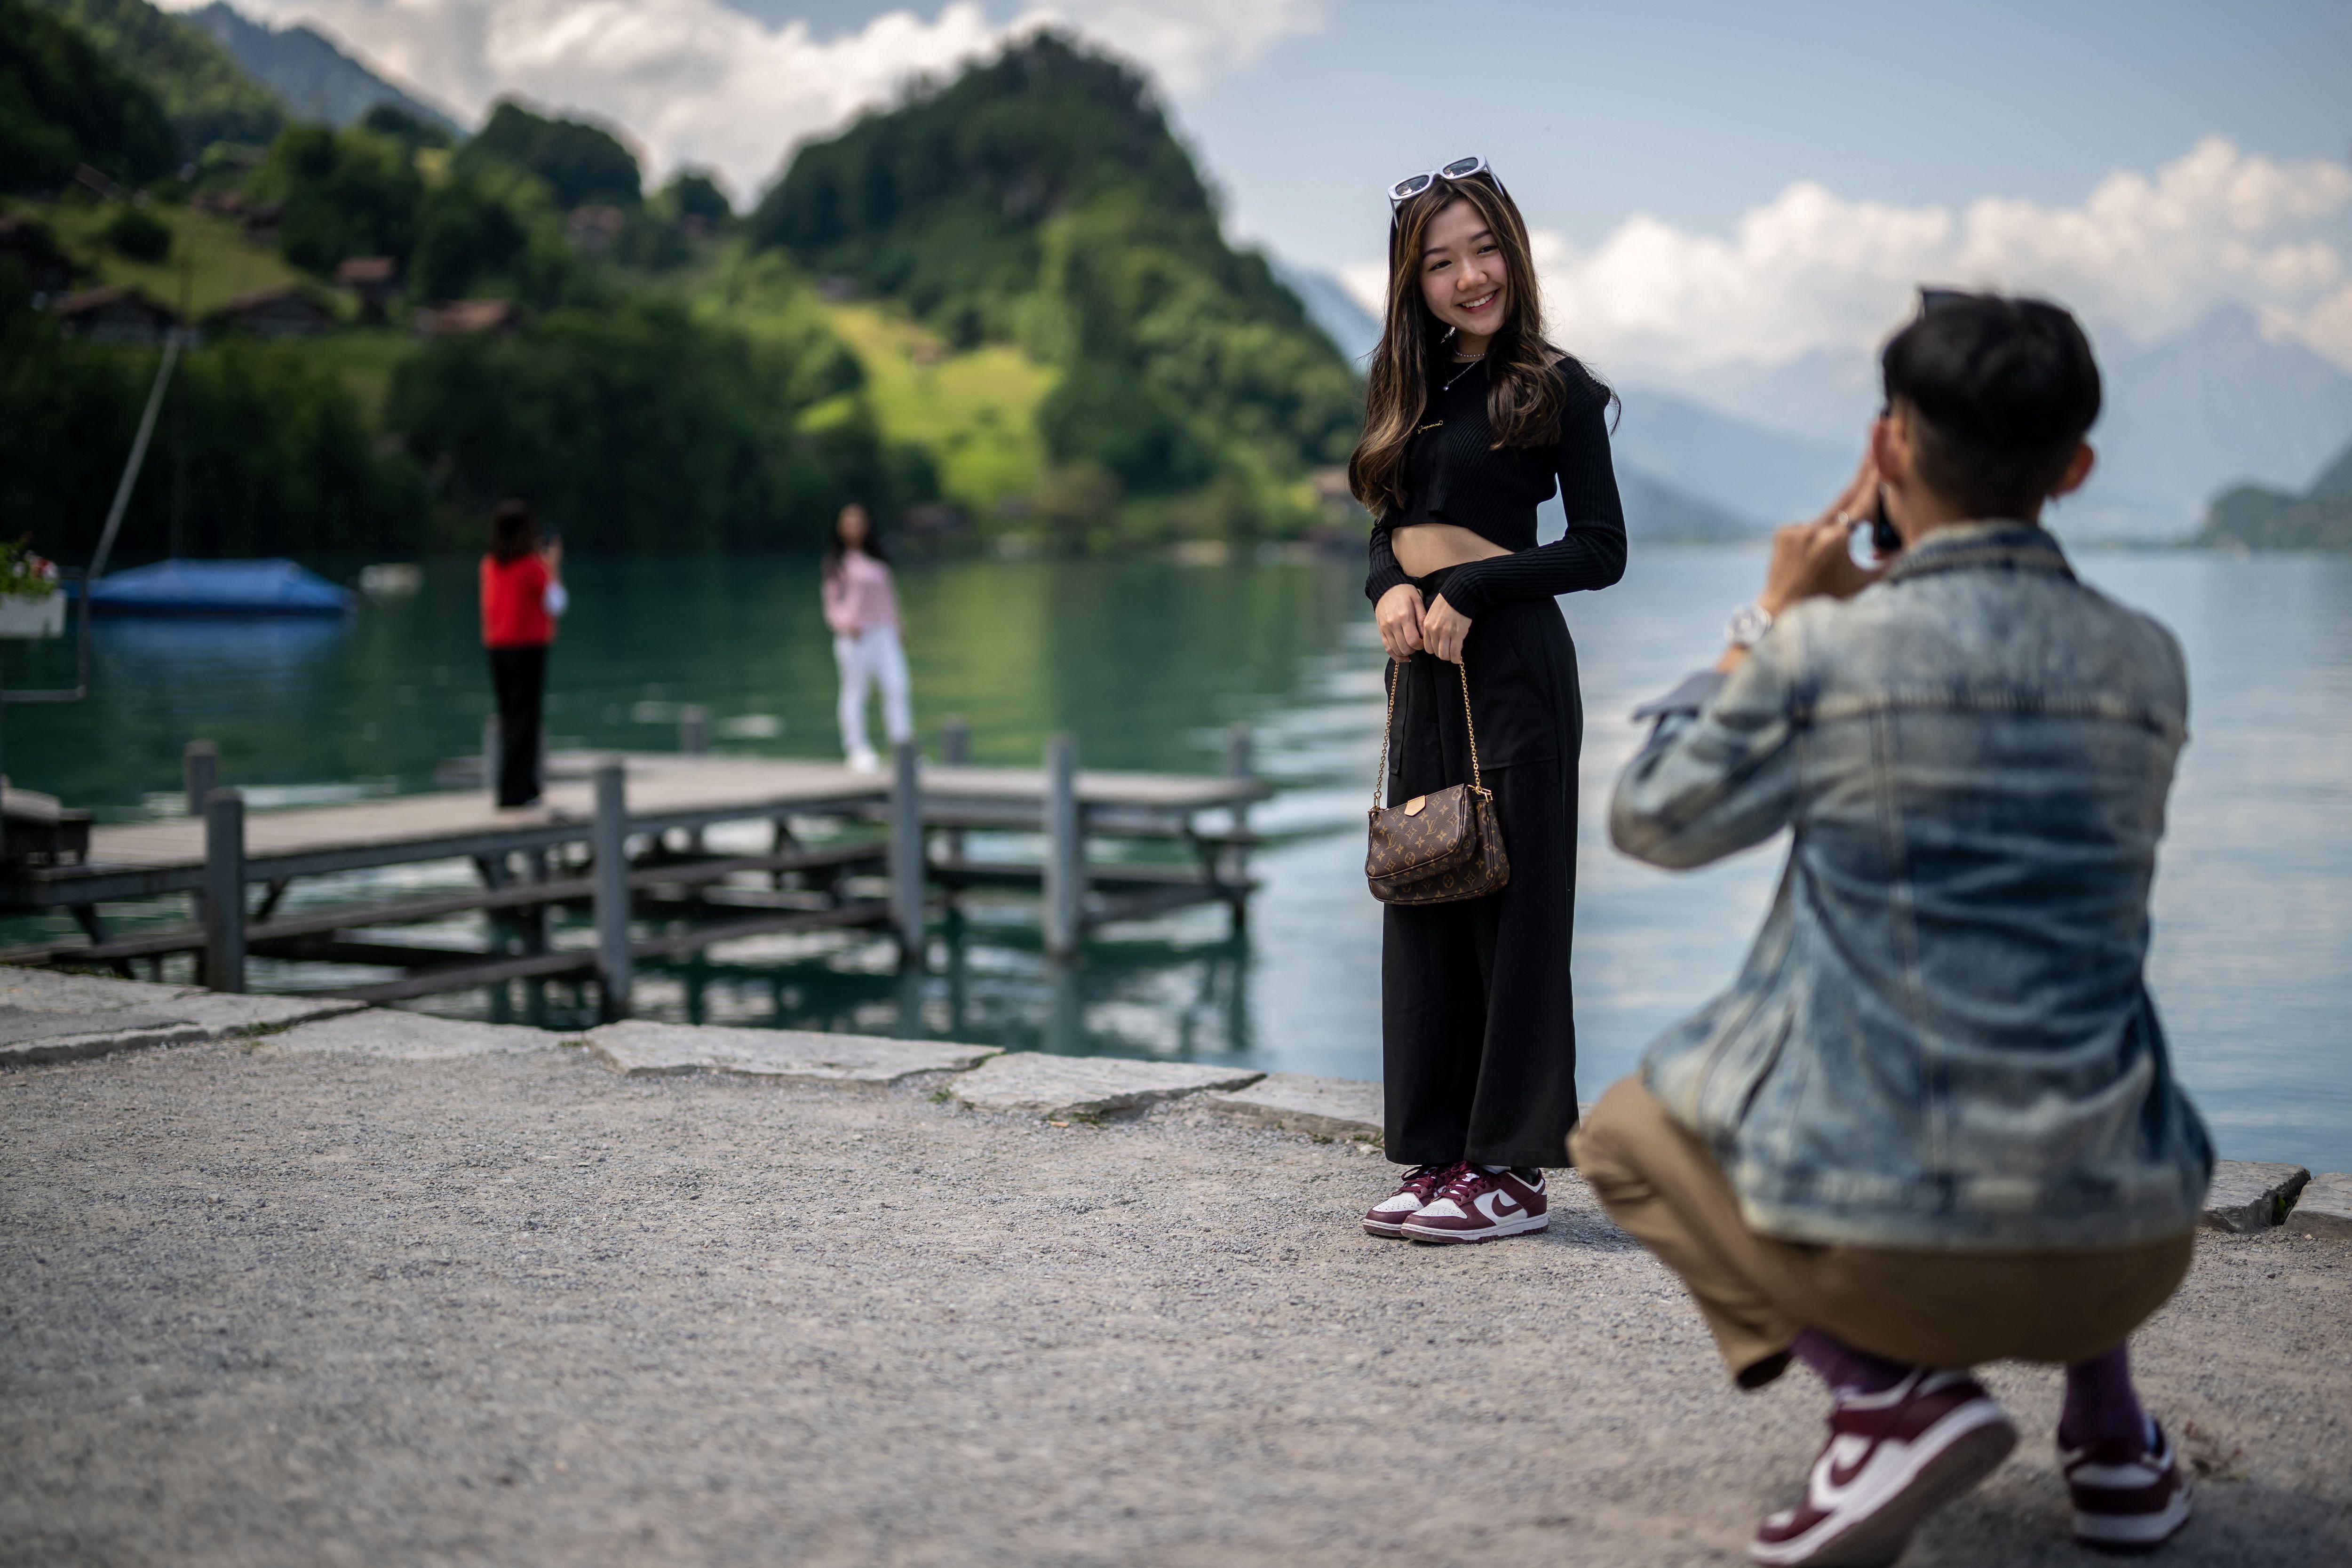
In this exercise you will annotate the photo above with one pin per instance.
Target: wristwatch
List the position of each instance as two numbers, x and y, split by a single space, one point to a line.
1747 626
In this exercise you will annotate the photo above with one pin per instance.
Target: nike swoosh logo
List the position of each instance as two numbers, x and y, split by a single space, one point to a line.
1498 1206
1841 1466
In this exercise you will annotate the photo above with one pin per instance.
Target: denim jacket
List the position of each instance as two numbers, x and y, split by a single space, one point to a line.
1941 1038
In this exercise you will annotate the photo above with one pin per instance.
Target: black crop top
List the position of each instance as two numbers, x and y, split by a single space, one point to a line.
1455 473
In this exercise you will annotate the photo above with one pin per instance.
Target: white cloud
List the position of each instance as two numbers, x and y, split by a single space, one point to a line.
692 82
1811 272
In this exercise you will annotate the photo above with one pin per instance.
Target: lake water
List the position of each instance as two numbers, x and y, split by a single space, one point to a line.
1147 663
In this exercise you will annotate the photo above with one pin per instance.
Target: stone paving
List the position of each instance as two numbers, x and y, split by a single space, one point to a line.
387 1288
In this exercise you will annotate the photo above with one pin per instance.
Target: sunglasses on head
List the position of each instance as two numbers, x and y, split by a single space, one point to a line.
1411 185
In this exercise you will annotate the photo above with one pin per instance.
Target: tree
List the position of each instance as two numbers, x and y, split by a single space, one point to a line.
345 193
582 163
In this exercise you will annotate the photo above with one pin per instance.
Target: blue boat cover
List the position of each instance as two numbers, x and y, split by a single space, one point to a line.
219 588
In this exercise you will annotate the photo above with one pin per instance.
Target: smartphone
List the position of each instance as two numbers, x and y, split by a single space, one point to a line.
1885 543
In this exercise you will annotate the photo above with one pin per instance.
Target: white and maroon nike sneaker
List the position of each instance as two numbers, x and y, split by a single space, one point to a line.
1892 1459
1421 1185
2128 1497
1477 1204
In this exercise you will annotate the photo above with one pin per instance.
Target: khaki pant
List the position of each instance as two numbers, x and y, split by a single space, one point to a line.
1932 1309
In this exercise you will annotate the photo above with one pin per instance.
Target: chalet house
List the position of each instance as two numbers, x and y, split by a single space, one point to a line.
116 314
372 281
288 310
592 230
460 317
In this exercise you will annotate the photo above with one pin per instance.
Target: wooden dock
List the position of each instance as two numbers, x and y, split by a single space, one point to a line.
622 835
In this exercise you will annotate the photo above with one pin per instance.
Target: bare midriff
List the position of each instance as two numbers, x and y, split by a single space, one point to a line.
1425 547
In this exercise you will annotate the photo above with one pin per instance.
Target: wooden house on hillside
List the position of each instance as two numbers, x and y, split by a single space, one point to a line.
592 230
461 318
288 310
116 315
373 280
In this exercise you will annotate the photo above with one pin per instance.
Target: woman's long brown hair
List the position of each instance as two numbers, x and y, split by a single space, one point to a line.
1524 395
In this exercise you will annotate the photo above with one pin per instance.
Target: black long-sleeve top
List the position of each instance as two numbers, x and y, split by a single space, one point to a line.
1455 473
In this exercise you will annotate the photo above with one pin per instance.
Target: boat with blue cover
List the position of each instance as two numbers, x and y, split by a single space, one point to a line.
219 588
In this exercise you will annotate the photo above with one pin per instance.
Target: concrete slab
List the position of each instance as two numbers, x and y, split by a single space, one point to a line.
1032 1083
52 989
1329 1107
637 1048
218 1013
396 1036
30 1036
2325 1208
2248 1197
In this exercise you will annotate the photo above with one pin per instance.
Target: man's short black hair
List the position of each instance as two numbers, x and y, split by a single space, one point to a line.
2002 392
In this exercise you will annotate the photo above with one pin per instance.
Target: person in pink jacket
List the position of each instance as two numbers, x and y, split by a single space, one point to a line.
862 608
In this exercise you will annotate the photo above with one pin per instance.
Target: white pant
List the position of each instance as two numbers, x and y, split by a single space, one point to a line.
872 654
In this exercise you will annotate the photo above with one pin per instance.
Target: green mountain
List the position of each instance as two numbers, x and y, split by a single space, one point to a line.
314 79
206 94
1040 200
63 103
2259 519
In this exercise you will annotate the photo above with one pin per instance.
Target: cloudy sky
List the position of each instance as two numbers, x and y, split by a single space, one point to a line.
1714 185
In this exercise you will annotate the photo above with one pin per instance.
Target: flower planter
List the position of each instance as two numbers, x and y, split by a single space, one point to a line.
24 615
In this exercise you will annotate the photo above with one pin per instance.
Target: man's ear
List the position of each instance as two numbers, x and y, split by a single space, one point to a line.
2078 468
1890 448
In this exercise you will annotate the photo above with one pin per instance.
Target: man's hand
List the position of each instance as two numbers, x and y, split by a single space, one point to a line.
1397 614
1812 558
1443 631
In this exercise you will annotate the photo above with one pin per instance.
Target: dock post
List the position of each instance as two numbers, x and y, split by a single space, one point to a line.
493 754
1241 762
225 890
1065 849
909 874
200 771
955 751
614 961
694 729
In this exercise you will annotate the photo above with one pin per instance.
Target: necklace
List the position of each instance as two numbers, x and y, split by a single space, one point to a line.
1458 374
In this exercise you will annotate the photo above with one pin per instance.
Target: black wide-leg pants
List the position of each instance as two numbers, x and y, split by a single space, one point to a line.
1478 1032
519 680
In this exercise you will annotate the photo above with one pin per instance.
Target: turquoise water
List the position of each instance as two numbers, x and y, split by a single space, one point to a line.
1146 663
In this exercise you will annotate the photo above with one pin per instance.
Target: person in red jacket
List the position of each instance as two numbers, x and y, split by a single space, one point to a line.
522 594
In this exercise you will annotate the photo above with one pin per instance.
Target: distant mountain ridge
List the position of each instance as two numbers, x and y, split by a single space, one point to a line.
317 79
2257 517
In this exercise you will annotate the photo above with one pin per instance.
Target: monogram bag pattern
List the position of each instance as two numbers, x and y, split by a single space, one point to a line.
1439 847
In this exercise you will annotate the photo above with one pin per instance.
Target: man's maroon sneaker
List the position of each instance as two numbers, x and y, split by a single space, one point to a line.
1477 1204
1892 1459
2128 1496
1421 1184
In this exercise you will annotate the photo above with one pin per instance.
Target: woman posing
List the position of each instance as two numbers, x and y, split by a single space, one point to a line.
862 608
1471 419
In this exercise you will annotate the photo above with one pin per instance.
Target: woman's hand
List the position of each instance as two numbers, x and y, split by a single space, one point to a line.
1443 631
551 552
1397 614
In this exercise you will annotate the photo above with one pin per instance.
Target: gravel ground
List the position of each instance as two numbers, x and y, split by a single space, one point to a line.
267 1309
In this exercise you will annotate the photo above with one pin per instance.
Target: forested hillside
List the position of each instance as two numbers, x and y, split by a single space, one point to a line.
2256 517
1040 200
1001 314
64 103
209 97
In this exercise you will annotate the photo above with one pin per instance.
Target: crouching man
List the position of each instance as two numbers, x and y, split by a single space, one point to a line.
1933 1123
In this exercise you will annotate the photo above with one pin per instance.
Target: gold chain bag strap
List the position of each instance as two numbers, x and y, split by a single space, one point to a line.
1435 848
